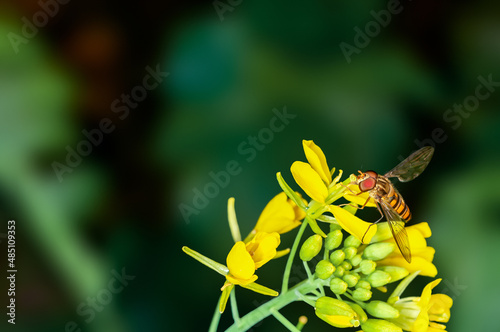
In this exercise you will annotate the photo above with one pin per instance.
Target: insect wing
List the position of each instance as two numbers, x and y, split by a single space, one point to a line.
397 226
412 166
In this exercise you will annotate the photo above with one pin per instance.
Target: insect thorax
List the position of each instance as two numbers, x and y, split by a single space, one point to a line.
383 188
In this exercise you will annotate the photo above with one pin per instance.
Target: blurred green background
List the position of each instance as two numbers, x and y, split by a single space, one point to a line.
120 206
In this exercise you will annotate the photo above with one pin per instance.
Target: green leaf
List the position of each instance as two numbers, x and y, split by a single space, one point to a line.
217 267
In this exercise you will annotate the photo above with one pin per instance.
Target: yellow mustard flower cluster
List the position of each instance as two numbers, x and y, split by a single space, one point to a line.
358 259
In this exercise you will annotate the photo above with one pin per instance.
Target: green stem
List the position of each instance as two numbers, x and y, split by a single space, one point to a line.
308 271
215 319
284 321
308 299
286 275
234 307
275 304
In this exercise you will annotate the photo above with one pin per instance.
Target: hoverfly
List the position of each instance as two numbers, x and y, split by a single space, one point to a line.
389 200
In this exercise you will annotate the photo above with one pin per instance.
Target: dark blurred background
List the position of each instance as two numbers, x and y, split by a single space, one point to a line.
127 204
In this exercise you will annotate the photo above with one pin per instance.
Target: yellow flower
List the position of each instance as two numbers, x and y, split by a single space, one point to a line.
241 265
244 259
422 255
424 313
280 215
313 177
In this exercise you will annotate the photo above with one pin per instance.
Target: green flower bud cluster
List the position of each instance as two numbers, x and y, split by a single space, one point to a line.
350 270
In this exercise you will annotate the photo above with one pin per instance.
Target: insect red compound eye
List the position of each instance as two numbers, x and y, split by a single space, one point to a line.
367 184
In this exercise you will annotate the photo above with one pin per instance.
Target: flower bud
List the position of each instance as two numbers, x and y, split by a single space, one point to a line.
334 227
363 284
350 252
346 265
338 286
381 309
301 323
356 260
361 313
378 251
336 313
379 278
311 247
333 239
324 269
351 279
339 272
367 266
396 272
377 325
362 294
337 257
352 241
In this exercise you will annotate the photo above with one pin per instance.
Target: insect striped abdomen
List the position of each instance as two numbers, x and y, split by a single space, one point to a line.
400 207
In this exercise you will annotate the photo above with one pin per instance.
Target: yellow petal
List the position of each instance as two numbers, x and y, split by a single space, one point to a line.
309 181
337 321
436 328
282 253
425 267
423 228
317 160
265 249
280 215
241 282
417 241
440 306
427 253
422 322
416 238
425 298
363 230
240 263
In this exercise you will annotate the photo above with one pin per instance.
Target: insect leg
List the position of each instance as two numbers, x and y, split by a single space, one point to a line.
363 239
375 222
381 214
352 191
